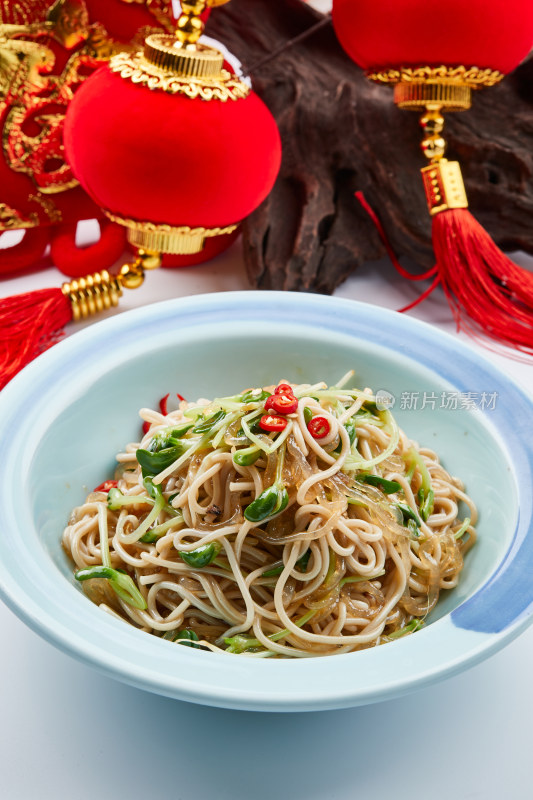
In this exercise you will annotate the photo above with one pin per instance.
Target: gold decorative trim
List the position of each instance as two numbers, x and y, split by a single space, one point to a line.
444 186
449 88
49 207
202 62
446 96
138 70
154 238
470 76
11 219
23 12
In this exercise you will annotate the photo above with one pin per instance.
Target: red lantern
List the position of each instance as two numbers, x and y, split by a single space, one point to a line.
435 61
170 144
46 50
167 157
489 34
175 149
123 19
56 46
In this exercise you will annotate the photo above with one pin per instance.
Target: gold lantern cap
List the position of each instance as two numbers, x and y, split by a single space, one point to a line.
448 88
182 54
180 63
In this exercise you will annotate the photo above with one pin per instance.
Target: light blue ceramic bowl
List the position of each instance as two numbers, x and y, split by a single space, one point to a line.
63 419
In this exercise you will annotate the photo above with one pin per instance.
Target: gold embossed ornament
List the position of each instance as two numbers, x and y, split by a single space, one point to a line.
47 49
435 62
174 148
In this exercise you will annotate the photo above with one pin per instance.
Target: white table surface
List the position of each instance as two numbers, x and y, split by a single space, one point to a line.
66 731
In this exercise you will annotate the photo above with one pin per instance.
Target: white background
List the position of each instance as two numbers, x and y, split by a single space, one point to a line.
65 731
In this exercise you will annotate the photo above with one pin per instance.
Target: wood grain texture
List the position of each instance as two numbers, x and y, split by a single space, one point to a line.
341 133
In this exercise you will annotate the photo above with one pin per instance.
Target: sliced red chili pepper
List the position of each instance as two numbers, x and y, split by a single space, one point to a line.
319 427
282 403
163 404
106 486
146 427
271 423
284 388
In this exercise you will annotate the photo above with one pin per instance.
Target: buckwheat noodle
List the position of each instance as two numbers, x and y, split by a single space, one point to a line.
362 529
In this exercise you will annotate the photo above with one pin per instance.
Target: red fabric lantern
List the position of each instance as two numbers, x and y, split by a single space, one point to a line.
175 149
57 45
124 19
434 62
493 34
151 155
171 139
46 50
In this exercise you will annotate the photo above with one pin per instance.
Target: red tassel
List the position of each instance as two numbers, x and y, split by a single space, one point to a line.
482 281
477 278
29 324
77 261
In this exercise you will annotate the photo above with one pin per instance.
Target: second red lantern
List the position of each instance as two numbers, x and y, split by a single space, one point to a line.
488 34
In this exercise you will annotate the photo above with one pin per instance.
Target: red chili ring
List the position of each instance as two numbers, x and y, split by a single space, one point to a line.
106 486
163 404
282 403
319 427
284 388
268 422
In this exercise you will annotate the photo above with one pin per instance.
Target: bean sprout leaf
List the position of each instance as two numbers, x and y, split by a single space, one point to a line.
242 642
156 532
116 500
208 424
153 490
411 627
463 529
154 463
352 433
186 637
168 438
254 396
272 501
202 556
247 456
301 566
361 578
388 487
408 514
303 561
426 500
120 582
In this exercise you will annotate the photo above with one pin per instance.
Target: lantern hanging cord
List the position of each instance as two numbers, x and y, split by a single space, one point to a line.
388 247
323 23
430 273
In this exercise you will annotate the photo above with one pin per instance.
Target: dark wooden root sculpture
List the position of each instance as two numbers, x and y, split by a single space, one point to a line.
343 134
